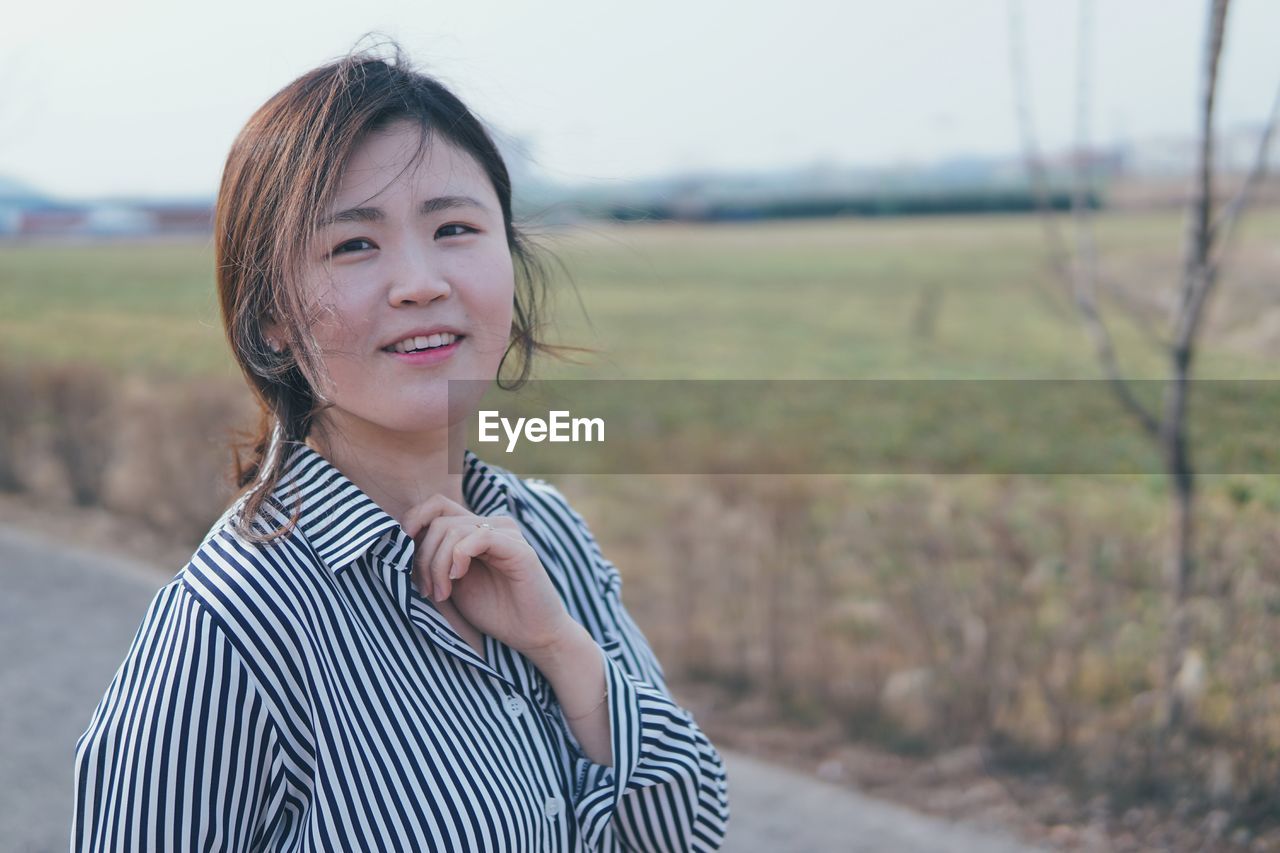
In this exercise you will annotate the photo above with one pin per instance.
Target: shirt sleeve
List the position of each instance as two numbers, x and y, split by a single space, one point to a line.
667 789
178 754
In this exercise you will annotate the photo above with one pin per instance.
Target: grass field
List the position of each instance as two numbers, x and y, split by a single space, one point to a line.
833 299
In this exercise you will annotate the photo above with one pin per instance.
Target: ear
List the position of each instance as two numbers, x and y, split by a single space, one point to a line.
272 331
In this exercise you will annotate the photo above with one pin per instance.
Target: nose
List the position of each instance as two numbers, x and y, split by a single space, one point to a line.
417 278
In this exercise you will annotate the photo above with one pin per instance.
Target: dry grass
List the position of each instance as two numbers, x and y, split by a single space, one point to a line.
925 613
80 424
151 449
932 613
16 419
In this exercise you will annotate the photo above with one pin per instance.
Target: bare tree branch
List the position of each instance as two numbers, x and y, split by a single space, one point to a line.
1223 227
1085 280
1079 274
1132 308
1088 275
1059 255
1198 276
1086 266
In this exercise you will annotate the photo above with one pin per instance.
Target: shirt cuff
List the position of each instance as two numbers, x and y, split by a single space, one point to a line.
635 708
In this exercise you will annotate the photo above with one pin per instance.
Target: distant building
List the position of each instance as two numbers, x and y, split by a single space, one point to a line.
180 218
116 220
43 218
10 217
51 220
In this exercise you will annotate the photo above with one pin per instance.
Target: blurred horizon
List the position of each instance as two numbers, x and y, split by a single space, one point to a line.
581 102
1150 161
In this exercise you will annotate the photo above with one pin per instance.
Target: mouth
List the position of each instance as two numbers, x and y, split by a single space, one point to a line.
449 343
427 355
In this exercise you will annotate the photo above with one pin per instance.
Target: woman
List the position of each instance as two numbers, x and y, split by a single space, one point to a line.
369 651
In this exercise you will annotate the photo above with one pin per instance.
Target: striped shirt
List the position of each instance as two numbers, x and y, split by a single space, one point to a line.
303 695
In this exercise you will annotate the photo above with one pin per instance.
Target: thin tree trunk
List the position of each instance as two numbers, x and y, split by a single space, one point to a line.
1178 571
1198 281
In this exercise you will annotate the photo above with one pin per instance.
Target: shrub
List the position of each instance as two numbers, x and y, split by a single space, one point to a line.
17 416
79 403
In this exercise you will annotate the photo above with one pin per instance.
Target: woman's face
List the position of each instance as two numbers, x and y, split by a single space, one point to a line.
408 248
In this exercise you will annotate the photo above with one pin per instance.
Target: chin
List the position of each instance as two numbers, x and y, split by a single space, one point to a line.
421 421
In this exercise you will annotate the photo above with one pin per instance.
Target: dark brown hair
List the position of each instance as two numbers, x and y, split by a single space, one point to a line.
283 169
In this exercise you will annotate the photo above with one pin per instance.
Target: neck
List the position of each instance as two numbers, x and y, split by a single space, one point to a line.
398 471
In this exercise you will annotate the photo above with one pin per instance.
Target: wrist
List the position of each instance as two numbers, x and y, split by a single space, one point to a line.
572 645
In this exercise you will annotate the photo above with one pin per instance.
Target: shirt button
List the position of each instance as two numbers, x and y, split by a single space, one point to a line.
553 807
515 706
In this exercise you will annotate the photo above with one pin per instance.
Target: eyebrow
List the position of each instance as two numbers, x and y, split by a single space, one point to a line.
376 214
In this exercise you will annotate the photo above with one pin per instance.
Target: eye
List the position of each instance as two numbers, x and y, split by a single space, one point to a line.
351 245
466 229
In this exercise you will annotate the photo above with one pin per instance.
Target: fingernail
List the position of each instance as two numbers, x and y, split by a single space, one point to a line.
454 572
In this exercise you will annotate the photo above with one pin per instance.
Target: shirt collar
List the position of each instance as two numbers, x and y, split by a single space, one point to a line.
342 523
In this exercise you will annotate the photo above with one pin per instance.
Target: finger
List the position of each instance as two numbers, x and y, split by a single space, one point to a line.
506 526
427 551
430 547
499 525
434 507
430 586
460 557
497 548
422 553
446 568
445 555
442 563
421 516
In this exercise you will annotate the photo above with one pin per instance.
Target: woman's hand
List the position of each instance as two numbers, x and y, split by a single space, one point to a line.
493 575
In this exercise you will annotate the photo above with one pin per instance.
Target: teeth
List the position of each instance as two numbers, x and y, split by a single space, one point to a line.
423 342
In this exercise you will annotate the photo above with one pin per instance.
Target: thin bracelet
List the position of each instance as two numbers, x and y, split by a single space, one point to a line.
587 713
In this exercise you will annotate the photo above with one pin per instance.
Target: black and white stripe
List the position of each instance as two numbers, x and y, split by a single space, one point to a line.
302 695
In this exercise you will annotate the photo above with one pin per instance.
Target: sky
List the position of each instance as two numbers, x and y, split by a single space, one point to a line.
144 97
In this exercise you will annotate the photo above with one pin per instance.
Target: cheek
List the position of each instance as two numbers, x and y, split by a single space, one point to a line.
494 299
340 320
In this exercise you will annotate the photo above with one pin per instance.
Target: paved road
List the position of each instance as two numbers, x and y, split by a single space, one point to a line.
67 617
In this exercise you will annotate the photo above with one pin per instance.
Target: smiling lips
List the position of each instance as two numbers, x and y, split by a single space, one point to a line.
423 342
428 354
